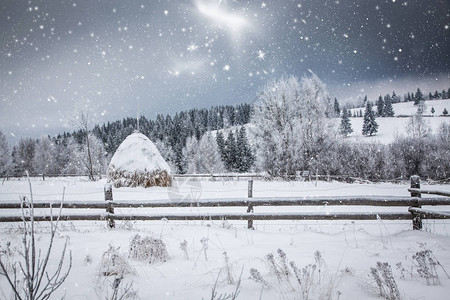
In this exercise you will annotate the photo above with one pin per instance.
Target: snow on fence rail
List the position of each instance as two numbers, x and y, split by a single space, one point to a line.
414 212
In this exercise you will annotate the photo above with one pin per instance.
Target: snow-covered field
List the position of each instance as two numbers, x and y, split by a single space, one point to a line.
348 248
391 128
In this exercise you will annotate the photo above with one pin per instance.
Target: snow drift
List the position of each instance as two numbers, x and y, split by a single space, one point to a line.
137 162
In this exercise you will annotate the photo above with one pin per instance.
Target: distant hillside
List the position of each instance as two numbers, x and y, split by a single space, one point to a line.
409 109
390 128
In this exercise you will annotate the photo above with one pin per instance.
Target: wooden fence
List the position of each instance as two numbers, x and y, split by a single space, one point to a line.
414 211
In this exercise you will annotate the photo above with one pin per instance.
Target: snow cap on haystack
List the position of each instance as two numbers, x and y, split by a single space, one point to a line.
137 162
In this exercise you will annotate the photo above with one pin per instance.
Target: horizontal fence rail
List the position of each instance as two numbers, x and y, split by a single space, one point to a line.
259 201
221 216
430 192
414 211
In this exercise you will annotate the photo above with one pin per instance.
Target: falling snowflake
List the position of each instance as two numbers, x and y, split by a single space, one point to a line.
192 47
261 55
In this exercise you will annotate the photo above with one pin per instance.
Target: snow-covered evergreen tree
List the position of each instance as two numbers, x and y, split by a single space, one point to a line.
370 125
337 109
380 106
395 98
221 145
5 156
245 158
388 108
418 97
346 126
230 153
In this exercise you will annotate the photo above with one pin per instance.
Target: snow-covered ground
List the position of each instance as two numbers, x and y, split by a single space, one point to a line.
390 128
348 248
409 109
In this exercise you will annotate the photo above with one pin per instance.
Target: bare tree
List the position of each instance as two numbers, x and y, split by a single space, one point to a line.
29 278
417 127
82 122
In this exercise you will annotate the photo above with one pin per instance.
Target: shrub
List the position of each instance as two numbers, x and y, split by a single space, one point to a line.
312 281
114 263
148 249
382 275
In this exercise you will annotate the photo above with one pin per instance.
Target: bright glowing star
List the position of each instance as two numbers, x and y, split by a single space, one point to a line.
192 47
221 16
226 68
446 26
263 5
261 55
166 12
396 58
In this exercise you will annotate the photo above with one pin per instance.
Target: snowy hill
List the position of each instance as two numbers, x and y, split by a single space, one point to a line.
390 128
409 109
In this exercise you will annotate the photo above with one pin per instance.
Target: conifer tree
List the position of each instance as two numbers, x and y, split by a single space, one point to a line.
230 152
346 126
408 98
436 95
388 109
245 158
418 97
445 112
5 155
395 98
337 109
221 145
370 125
380 106
433 110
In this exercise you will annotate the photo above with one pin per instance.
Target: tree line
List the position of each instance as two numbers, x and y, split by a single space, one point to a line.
88 150
289 128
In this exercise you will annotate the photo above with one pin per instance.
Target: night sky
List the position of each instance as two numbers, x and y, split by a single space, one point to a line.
174 55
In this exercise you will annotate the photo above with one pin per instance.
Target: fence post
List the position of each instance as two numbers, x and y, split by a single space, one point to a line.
250 205
109 205
417 219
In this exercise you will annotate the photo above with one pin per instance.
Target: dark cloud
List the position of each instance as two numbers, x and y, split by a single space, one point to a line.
173 55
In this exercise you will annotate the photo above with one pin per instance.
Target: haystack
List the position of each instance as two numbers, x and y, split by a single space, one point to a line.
137 162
